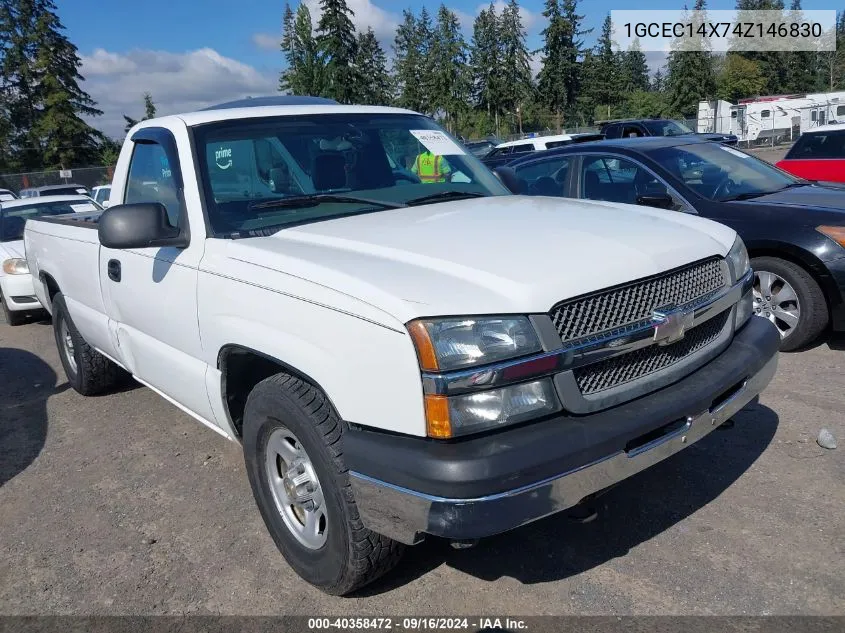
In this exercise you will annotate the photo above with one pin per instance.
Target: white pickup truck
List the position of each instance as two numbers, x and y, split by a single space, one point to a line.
398 358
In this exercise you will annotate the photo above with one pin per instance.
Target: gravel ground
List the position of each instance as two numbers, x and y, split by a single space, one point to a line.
122 504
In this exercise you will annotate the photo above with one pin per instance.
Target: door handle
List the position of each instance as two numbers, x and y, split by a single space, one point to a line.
114 270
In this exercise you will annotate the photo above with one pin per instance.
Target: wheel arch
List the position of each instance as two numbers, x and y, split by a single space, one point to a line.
241 369
806 260
51 288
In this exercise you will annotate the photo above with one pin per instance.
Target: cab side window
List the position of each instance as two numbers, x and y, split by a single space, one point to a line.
151 179
545 178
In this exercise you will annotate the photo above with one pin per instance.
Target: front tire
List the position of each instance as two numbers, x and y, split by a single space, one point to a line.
790 298
88 372
293 451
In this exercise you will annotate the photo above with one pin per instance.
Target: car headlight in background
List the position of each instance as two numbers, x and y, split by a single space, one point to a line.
738 262
460 343
15 266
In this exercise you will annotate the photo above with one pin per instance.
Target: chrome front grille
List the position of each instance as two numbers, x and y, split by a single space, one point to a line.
634 304
620 370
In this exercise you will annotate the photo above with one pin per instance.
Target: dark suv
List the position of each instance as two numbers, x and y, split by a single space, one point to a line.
659 127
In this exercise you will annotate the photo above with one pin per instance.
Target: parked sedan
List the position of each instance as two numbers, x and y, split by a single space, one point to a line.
16 290
632 128
794 229
818 154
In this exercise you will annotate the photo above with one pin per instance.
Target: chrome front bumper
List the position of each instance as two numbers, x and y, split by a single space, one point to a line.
407 515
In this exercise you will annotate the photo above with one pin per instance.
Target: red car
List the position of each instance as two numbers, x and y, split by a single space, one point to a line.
818 154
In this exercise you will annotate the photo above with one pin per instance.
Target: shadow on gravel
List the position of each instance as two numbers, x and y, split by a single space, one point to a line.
26 382
633 512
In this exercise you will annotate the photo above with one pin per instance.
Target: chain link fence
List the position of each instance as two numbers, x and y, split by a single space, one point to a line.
87 177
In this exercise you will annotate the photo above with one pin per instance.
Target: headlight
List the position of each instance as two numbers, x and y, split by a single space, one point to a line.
744 310
458 415
15 266
738 260
447 344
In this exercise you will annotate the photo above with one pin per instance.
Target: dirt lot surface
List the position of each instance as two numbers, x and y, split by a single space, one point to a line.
122 504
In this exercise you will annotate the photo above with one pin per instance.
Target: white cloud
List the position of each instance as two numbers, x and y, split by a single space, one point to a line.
529 18
367 15
178 82
266 42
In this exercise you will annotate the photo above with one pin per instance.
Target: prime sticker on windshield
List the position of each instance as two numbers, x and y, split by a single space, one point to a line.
438 143
736 153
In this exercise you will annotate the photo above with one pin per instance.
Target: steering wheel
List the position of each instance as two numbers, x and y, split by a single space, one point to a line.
723 185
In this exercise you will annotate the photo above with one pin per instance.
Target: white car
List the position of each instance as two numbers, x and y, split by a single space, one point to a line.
6 195
16 291
397 358
100 195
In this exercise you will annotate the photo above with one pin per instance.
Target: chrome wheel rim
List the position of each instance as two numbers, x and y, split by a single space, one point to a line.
296 489
776 300
67 344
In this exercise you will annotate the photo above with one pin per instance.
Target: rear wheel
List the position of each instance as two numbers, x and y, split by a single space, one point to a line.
786 295
292 441
88 372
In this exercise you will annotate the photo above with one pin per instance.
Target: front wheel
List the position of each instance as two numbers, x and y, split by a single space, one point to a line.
292 441
786 294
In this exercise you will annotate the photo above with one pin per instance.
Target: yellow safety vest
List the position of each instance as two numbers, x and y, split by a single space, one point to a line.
429 168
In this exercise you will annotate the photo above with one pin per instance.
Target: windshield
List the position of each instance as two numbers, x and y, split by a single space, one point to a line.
6 195
666 128
261 176
721 173
72 190
13 219
819 145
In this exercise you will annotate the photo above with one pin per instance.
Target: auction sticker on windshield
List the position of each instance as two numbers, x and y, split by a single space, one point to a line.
83 208
437 142
736 153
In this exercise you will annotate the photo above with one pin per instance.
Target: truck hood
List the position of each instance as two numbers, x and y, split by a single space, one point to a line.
9 250
504 254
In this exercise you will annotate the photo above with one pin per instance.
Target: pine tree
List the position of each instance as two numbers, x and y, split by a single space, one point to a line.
39 71
689 73
658 81
517 85
801 70
425 37
375 83
149 113
450 80
774 65
407 64
635 69
485 62
552 79
607 83
304 69
338 45
573 50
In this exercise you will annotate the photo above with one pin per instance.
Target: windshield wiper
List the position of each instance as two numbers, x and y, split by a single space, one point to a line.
312 200
748 195
445 195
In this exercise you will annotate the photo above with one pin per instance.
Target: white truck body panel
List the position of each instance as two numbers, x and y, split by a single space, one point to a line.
330 299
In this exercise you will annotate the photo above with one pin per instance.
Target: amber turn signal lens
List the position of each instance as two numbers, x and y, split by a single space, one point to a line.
437 417
836 233
425 349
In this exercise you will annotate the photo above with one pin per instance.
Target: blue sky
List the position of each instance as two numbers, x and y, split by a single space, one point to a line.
189 53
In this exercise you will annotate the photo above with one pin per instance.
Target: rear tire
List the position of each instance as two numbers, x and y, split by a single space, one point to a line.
13 317
773 277
344 555
88 372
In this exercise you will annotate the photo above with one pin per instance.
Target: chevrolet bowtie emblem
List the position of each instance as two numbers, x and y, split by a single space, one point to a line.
671 325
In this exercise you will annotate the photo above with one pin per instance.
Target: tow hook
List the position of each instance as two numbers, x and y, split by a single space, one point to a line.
463 543
584 512
726 425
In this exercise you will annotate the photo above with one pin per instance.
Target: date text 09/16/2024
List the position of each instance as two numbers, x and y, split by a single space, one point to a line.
417 623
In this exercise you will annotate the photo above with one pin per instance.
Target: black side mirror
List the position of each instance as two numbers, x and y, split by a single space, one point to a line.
509 179
657 200
139 225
